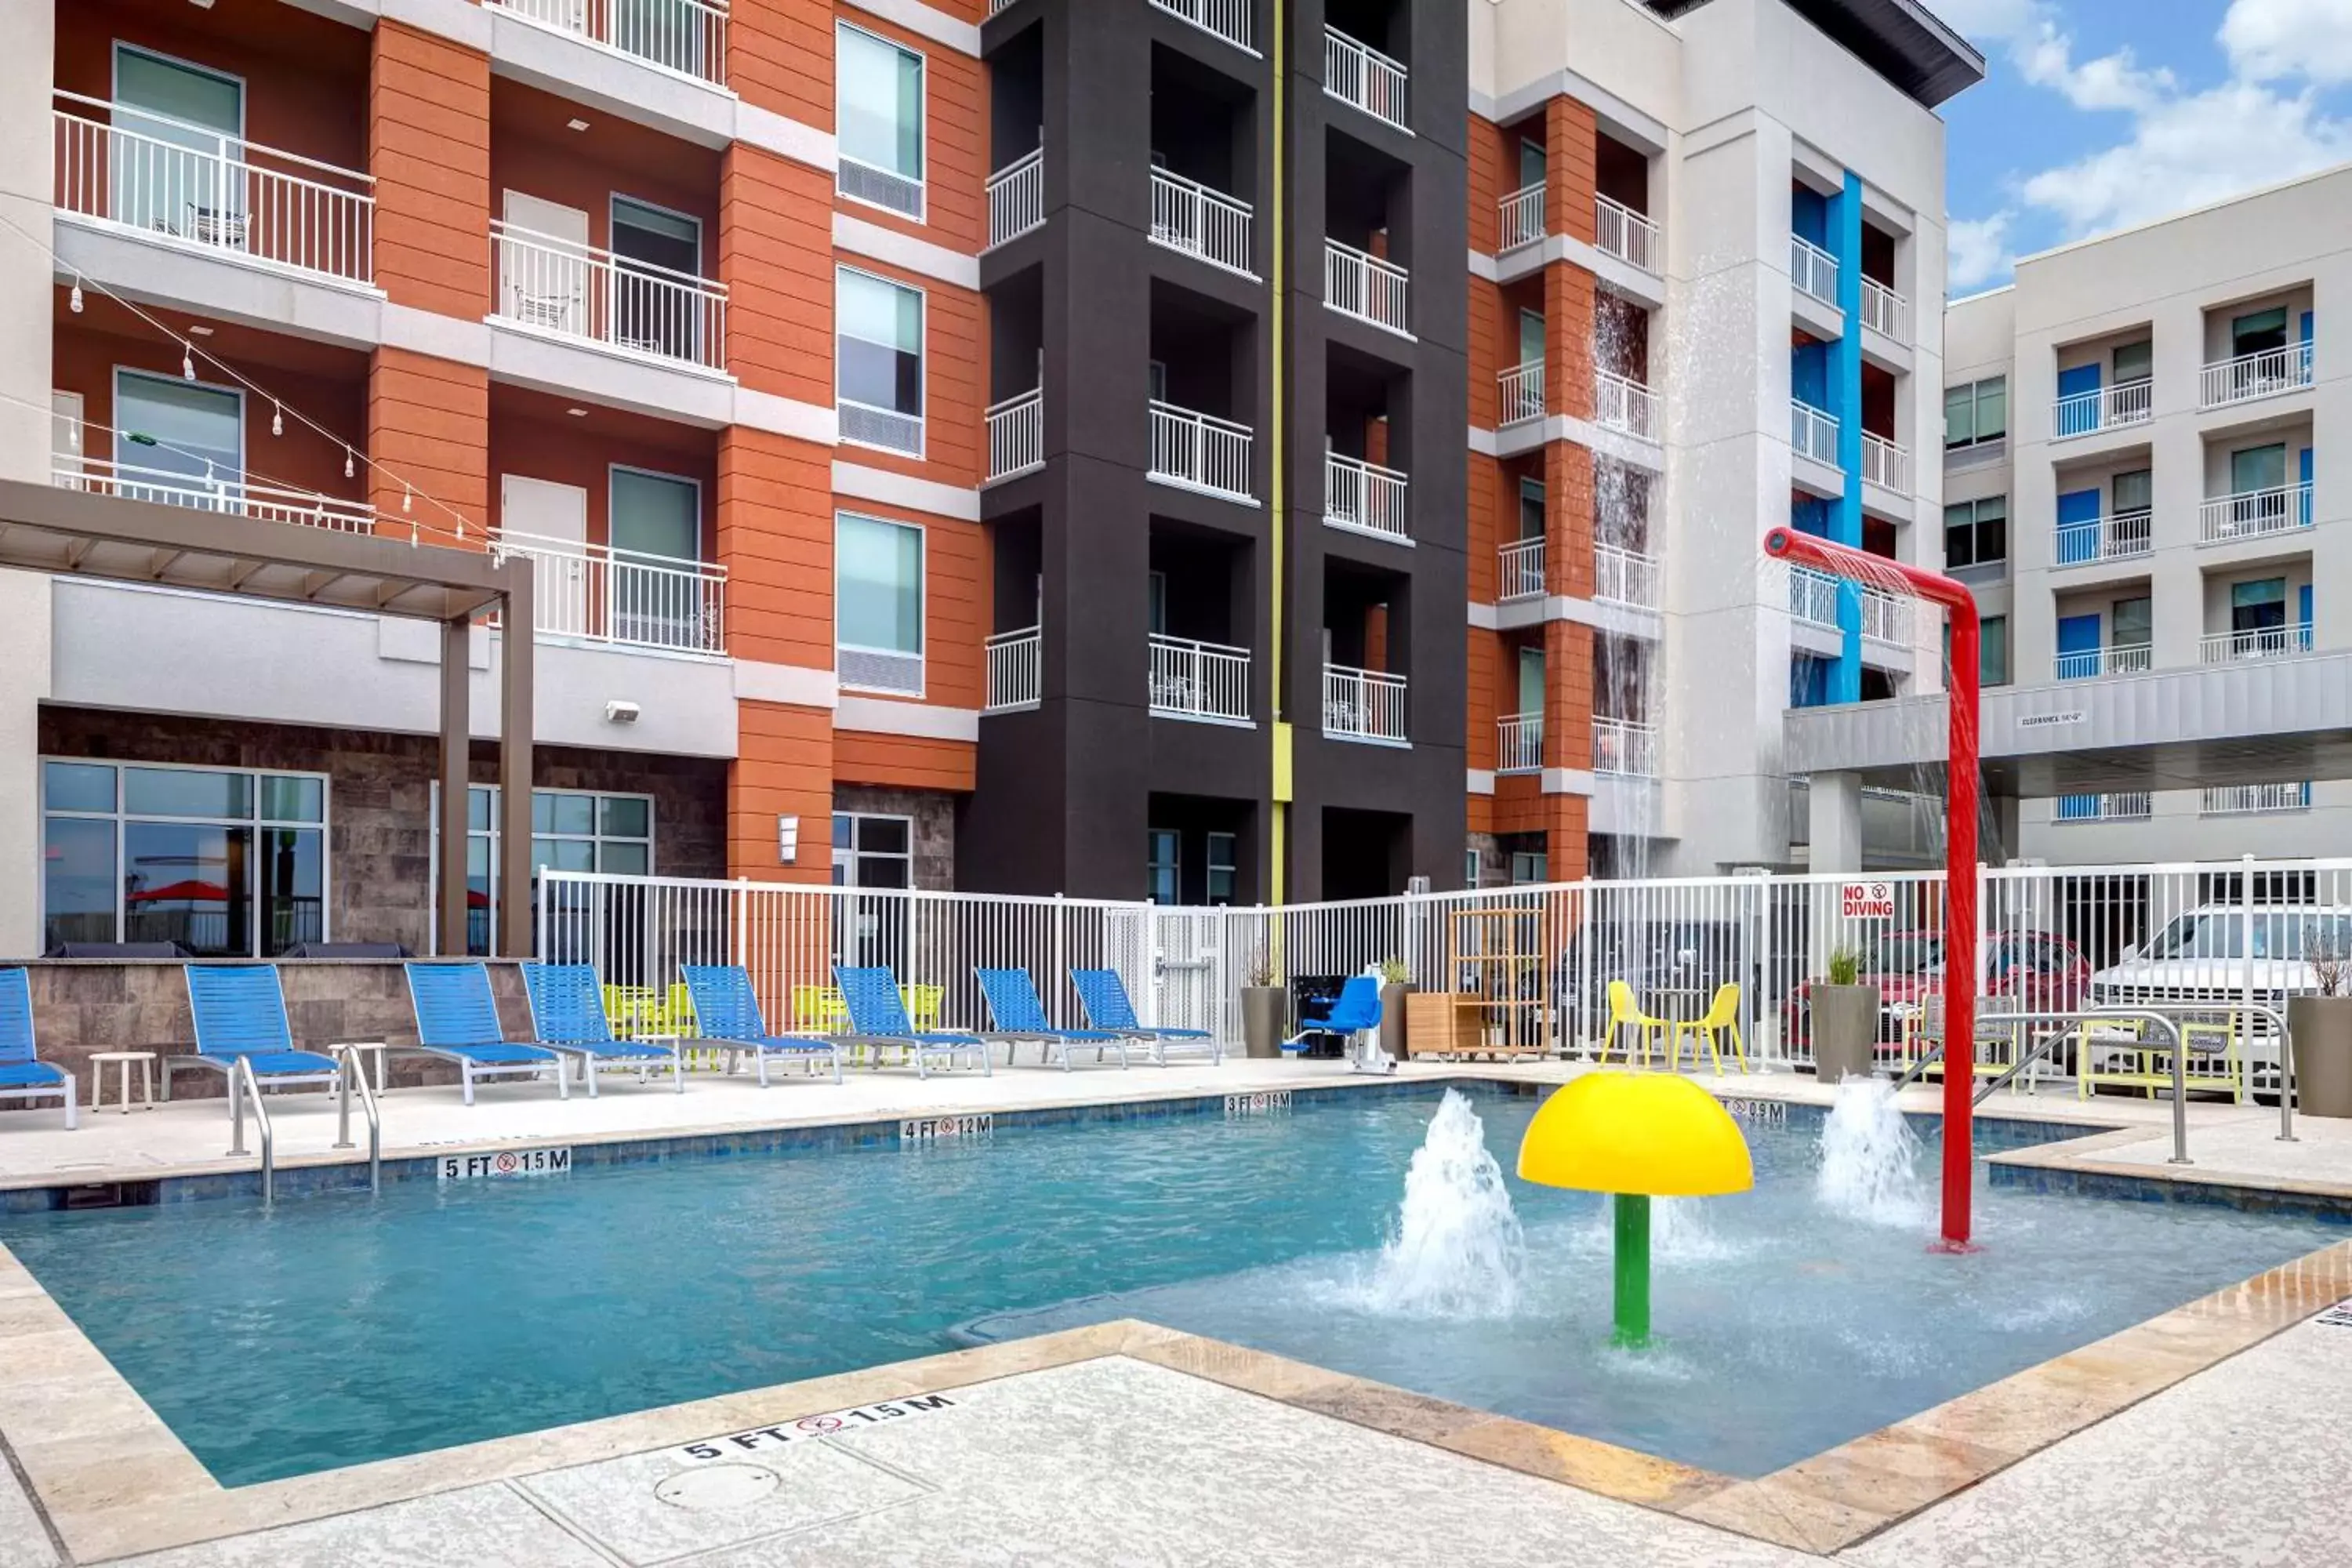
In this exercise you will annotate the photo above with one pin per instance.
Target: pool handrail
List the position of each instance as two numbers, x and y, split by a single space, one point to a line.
726 1017
1014 1007
878 1018
567 1014
457 1021
23 1074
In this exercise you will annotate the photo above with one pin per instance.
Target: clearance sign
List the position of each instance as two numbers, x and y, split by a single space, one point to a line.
1866 900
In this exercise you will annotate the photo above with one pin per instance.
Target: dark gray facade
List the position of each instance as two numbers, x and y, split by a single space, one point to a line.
1099 553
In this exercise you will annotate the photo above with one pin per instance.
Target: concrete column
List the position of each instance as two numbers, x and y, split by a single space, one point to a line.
457 746
1835 812
25 655
517 654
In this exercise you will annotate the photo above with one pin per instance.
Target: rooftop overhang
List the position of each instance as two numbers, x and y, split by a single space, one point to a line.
1902 41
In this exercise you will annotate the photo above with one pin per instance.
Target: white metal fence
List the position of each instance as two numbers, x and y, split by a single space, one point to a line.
2249 376
597 593
1521 389
2262 642
1017 433
1358 74
1813 433
227 493
1521 567
2115 659
1201 450
689 36
1626 747
1522 214
1186 215
1227 19
1623 577
1357 494
2254 800
2101 408
1812 596
1194 680
1620 402
1016 197
1357 283
1885 464
1518 743
2115 538
1886 617
1812 269
1619 231
1363 704
585 291
1885 311
2249 513
1016 671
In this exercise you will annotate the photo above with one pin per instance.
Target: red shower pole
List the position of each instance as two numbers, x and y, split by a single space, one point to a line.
1959 843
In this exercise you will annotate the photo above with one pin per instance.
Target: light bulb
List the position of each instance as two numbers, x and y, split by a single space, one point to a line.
347 462
75 300
407 496
73 435
187 364
277 418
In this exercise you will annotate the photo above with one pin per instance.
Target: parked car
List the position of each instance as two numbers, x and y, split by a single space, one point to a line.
2028 971
2225 955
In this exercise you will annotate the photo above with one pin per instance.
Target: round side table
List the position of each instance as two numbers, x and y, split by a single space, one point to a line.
121 1062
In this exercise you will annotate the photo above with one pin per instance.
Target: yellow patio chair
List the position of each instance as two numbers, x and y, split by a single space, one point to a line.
1722 1015
924 1005
1622 1012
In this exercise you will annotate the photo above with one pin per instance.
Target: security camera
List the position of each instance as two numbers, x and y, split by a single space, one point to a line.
618 713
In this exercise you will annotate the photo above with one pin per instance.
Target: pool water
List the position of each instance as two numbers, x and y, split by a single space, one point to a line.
341 1329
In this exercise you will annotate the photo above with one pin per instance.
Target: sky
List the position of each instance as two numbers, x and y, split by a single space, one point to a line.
2099 114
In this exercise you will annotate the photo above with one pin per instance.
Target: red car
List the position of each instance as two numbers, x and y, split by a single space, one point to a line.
2035 972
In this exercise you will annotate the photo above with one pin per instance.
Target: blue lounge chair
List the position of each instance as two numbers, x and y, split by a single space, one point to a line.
1018 1014
23 1074
727 1015
1104 996
567 1014
1354 1018
877 1017
240 1014
457 1021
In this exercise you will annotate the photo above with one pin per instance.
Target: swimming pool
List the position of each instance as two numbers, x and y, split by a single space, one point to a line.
338 1328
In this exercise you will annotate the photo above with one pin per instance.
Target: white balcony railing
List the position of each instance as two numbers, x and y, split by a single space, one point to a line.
1199 680
1357 283
1226 19
2103 408
2126 805
2266 642
689 36
2115 538
1886 617
2116 659
1520 570
2250 376
1624 577
1885 464
1623 747
1363 704
1813 432
1885 311
1186 215
2254 800
1017 433
1813 270
1016 671
998 7
1360 75
1522 216
1522 390
171 180
1200 451
1016 197
1518 743
236 497
2251 513
573 290
1619 231
1620 402
597 593
1814 596
1357 494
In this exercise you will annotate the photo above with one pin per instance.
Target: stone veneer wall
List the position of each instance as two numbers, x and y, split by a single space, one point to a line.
934 814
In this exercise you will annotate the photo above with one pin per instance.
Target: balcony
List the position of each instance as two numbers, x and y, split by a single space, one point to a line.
1886 617
591 592
1363 705
2257 375
1518 743
1812 270
2250 514
1522 390
1619 231
1186 215
2116 538
2130 805
1814 596
2244 648
1624 748
2254 800
169 180
1813 432
1522 214
1200 452
1359 75
1520 570
2090 663
1226 19
1016 671
580 292
1016 434
306 509
1016 198
1357 284
1623 577
1620 402
1204 681
2105 408
1885 464
1885 311
1364 496
689 36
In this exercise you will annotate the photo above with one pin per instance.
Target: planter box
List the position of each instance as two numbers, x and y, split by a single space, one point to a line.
1262 1019
1845 1030
2322 1027
1392 1019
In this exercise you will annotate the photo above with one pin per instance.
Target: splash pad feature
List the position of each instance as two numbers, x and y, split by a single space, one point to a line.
1959 836
1635 1136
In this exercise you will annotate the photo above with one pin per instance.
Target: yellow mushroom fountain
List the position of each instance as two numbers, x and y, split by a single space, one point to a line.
1635 1136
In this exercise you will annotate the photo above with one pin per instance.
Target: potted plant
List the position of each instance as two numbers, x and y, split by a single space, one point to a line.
1396 979
1845 1019
1262 1007
2320 1025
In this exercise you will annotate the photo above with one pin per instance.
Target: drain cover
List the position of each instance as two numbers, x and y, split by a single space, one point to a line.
718 1487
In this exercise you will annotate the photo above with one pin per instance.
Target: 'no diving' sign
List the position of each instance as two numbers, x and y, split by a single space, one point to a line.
1866 900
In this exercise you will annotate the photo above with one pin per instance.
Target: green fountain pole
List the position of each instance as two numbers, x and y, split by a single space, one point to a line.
1633 1272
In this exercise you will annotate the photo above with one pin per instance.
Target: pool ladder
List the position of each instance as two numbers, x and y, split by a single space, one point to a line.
242 1085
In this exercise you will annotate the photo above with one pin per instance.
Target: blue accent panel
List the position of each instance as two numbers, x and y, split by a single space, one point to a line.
1808 376
1809 514
2078 527
2078 808
2302 612
1809 216
2078 646
1845 403
2306 326
1809 681
2078 418
2302 465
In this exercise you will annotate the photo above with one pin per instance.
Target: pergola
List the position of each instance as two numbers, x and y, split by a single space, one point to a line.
44 528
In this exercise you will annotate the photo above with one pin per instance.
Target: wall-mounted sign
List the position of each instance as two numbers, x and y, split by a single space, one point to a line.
1866 900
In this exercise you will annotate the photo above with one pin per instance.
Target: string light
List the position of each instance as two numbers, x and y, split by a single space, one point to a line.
407 499
277 417
188 362
74 299
347 462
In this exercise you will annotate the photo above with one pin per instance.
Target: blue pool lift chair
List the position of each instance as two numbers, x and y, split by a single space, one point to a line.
239 1010
1354 1018
457 1021
1020 1018
567 1015
877 1017
23 1074
726 1017
1103 994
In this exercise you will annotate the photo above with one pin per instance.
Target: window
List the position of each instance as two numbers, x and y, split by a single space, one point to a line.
1531 162
193 453
879 326
2131 492
2258 606
872 851
878 120
1531 337
1156 597
651 243
227 864
2131 623
1976 413
1224 861
165 177
1975 533
656 515
2257 469
1531 509
1162 867
1993 651
570 830
1470 869
878 604
2261 332
2134 362
1529 866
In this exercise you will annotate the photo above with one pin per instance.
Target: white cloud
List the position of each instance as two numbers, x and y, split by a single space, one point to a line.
2268 39
1977 250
